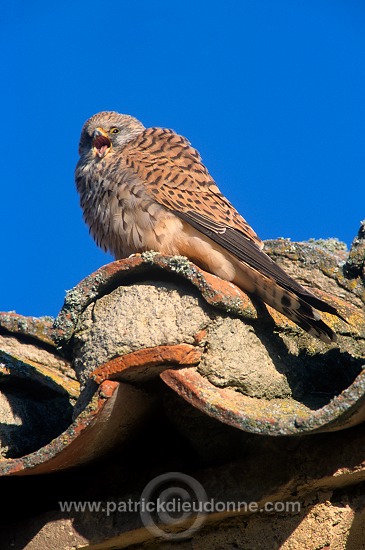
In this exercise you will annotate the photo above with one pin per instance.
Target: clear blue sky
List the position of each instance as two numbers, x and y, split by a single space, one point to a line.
272 93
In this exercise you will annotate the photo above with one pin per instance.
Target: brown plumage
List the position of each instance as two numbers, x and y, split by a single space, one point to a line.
147 189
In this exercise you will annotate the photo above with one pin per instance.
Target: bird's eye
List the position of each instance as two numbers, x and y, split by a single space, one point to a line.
114 130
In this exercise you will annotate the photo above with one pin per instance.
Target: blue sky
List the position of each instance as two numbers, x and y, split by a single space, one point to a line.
270 92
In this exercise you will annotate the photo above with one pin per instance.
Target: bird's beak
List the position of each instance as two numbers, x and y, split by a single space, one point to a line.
101 142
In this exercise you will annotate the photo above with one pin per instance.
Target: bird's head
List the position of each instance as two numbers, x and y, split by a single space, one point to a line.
107 132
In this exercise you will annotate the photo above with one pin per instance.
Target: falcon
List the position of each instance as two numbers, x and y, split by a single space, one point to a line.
147 189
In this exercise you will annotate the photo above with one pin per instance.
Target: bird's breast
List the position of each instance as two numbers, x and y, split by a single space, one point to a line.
123 218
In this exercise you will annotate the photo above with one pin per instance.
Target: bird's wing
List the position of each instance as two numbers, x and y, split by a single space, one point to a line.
173 173
176 177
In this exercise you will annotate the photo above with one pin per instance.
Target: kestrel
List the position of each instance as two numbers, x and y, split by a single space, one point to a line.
147 189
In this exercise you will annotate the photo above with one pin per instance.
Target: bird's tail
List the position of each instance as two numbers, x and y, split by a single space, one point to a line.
296 302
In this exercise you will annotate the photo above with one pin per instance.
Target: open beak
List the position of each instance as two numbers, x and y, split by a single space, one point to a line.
101 142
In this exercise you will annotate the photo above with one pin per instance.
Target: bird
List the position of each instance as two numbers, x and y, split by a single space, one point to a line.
147 189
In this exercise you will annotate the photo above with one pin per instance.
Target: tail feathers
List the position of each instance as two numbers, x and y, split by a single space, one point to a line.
234 254
300 312
309 298
315 327
297 306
